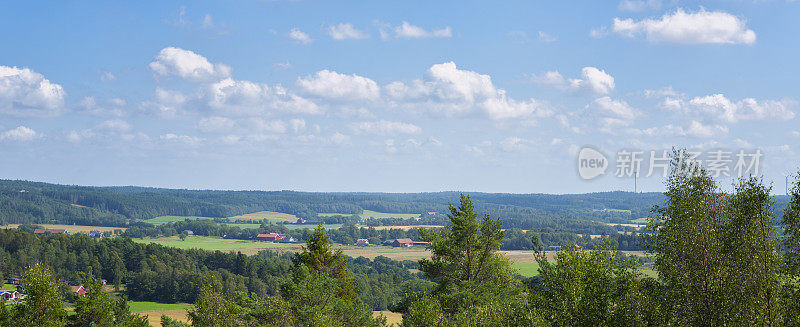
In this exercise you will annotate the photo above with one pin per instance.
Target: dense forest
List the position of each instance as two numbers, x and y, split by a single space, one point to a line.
32 202
718 259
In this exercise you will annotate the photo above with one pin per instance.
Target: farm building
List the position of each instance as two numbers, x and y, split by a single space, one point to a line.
96 234
403 242
188 232
50 231
13 280
301 221
271 237
362 242
78 290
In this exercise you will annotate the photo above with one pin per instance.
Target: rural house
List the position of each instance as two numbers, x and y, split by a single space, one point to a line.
188 232
96 234
403 242
50 231
271 237
8 295
78 290
362 242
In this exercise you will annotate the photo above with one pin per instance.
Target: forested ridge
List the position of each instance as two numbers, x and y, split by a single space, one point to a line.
35 202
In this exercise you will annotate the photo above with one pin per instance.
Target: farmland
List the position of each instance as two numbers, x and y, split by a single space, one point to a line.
73 229
213 243
154 310
367 214
272 216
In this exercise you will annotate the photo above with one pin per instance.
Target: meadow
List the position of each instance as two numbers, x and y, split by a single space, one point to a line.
154 310
271 216
214 243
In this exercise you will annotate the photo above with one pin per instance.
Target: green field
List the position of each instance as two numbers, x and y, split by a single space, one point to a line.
527 269
374 214
272 216
326 226
211 243
138 306
639 221
171 219
8 287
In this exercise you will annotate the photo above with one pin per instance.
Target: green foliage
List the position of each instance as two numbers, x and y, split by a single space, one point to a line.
318 257
791 227
43 306
476 285
98 309
170 322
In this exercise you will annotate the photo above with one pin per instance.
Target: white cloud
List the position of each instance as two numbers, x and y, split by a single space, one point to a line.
700 130
593 80
384 127
723 108
111 107
447 90
335 86
114 126
408 31
618 108
544 37
297 124
269 126
24 92
299 36
639 5
166 103
19 134
216 124
107 76
695 129
188 65
511 144
245 98
702 27
346 31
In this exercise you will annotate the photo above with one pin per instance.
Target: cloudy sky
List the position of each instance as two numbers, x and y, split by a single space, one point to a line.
399 96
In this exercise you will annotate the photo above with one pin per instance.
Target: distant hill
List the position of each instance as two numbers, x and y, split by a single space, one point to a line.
34 202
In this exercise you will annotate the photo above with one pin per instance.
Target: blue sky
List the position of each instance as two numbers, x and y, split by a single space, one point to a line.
390 96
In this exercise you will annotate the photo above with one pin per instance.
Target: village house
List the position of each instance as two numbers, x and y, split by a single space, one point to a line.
78 290
9 295
96 234
50 231
188 232
403 242
362 242
271 237
301 221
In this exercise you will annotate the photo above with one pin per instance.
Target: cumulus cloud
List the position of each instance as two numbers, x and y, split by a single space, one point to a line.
695 129
701 27
408 31
445 89
299 36
245 98
109 107
215 124
114 126
384 127
544 37
618 108
346 31
592 80
187 65
24 92
335 86
19 134
724 109
166 103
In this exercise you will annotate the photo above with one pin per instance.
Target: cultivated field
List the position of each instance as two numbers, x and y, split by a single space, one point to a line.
374 214
214 243
154 310
392 318
269 215
72 229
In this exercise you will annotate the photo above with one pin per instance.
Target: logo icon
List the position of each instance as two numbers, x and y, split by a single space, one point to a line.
591 163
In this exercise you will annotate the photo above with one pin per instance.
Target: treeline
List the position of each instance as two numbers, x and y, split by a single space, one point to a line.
155 273
515 239
32 202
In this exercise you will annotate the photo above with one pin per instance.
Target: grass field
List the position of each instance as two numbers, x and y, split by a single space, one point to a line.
374 214
642 221
172 219
73 229
327 226
213 243
269 215
154 311
527 269
392 318
8 287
